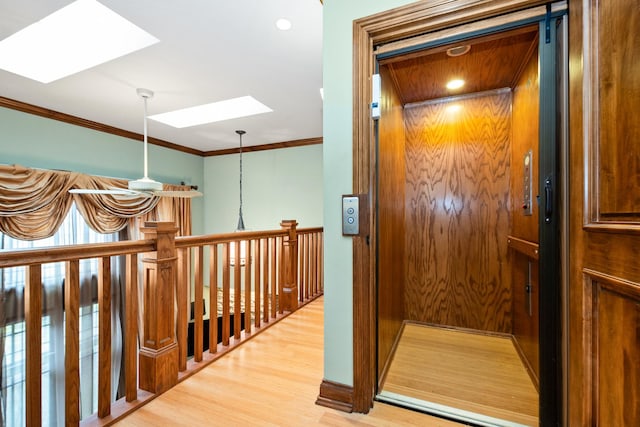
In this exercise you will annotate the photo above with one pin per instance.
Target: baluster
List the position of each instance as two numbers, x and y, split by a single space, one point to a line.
273 282
131 329
104 339
213 298
33 344
182 302
247 288
303 263
265 279
313 256
198 323
237 292
225 294
72 343
256 275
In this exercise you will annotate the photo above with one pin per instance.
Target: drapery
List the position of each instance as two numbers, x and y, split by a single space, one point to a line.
33 203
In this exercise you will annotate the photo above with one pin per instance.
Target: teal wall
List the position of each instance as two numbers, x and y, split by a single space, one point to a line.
277 184
39 142
338 17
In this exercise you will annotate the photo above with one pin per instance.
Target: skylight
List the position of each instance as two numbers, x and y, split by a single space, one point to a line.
215 112
77 37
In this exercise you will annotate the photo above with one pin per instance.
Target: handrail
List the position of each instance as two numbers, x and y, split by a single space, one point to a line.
530 249
64 253
281 271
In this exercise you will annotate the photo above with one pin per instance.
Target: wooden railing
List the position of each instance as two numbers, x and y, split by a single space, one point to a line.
267 274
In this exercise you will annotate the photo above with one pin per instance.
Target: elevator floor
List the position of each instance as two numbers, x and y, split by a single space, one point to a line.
463 375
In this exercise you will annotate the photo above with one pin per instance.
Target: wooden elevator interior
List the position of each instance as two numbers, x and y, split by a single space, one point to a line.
455 246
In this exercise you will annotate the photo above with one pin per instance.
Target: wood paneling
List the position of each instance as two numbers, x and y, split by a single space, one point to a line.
525 136
616 371
603 262
526 312
616 88
391 230
524 268
473 372
423 77
458 212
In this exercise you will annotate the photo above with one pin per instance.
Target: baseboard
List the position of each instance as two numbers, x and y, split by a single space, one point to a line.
335 396
526 363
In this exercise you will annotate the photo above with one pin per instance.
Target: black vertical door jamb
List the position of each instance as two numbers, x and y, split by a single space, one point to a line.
550 336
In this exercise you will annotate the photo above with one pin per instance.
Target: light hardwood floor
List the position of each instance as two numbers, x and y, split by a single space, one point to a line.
271 380
468 371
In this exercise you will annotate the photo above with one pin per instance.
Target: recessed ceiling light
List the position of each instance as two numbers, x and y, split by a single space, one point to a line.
458 50
214 112
77 37
455 84
283 24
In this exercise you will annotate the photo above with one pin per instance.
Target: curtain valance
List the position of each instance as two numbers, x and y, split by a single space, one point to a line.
33 202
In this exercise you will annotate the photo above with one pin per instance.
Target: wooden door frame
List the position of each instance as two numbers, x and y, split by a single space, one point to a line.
368 33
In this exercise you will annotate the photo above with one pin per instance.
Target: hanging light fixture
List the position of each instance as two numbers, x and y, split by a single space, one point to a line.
240 226
240 219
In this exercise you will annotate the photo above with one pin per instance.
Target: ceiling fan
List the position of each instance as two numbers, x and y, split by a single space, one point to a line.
145 186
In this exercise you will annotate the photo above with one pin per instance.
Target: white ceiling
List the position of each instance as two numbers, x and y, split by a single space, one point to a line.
209 50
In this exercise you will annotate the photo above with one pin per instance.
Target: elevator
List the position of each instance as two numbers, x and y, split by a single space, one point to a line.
467 189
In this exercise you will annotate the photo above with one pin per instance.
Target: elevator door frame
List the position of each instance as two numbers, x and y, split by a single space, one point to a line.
365 263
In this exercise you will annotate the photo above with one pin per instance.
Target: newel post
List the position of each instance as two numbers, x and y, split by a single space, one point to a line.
158 345
289 266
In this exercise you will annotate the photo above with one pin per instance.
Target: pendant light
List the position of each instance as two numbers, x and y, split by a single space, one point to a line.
240 226
240 219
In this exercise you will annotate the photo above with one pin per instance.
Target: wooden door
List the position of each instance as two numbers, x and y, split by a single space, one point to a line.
604 250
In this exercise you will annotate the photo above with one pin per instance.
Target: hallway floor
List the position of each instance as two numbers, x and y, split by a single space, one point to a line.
271 380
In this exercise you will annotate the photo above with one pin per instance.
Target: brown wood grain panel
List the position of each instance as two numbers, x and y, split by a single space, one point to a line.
104 339
131 328
524 137
616 86
524 228
72 342
391 217
33 344
525 312
617 348
458 213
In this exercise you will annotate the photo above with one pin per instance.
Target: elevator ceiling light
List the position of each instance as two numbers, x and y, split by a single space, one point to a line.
455 84
458 50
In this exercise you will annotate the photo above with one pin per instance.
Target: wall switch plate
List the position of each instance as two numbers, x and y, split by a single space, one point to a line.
350 215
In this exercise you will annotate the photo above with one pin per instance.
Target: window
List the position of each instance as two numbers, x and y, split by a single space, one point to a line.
73 230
